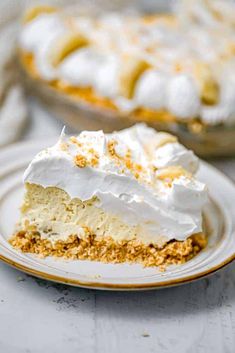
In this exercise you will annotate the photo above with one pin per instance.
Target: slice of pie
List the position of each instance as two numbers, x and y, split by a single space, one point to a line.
129 196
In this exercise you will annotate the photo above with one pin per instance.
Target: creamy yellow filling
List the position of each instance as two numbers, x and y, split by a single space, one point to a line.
56 216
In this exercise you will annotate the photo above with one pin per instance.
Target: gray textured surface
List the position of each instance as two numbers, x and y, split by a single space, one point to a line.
39 317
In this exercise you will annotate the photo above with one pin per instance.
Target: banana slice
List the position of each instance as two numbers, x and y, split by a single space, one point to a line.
131 70
33 12
209 89
170 173
66 45
163 138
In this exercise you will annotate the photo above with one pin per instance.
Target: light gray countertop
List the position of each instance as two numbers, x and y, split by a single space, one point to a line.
39 317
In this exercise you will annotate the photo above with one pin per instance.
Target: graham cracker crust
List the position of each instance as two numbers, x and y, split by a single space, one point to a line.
108 251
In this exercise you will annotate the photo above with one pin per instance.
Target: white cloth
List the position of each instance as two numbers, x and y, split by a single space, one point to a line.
13 106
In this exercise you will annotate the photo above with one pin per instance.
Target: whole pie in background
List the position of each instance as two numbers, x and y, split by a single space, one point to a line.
171 68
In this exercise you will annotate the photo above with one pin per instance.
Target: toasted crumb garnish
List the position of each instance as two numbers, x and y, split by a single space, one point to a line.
111 147
135 168
74 140
64 146
80 161
94 159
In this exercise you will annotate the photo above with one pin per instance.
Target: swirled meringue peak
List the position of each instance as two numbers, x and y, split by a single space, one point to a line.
142 176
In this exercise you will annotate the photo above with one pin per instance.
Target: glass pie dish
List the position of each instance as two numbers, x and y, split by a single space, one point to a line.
79 115
193 114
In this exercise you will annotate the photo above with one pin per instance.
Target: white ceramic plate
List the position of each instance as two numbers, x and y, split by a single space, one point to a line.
220 214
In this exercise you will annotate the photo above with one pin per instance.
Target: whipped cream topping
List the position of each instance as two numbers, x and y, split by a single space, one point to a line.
176 154
224 111
150 90
79 67
36 32
38 37
130 174
183 99
106 80
171 47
